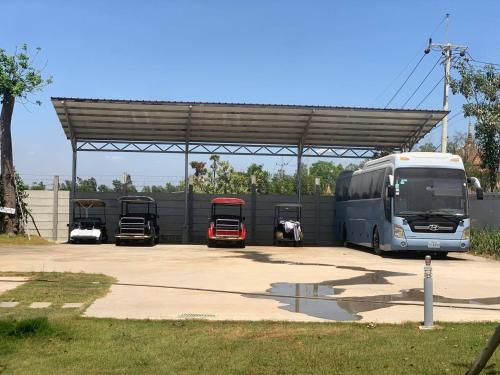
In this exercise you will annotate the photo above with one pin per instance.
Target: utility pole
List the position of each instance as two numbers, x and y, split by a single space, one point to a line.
447 50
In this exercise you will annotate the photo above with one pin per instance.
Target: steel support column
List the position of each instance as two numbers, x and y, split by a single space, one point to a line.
185 231
299 171
74 146
72 192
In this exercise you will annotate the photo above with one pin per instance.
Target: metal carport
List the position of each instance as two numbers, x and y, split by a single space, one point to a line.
238 129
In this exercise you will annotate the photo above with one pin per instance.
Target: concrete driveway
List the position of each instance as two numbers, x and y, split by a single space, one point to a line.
263 283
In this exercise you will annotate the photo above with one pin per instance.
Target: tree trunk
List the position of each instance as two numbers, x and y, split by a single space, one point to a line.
8 177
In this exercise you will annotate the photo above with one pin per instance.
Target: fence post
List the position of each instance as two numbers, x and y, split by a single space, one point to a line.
55 207
190 212
317 195
254 209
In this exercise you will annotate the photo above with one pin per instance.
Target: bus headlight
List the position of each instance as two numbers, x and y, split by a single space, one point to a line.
466 234
399 232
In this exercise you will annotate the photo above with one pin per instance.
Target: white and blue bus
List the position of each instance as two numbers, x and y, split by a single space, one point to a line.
408 201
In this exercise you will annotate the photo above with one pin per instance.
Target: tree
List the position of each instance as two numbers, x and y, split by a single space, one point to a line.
22 210
427 147
262 177
103 188
457 143
170 188
86 185
212 177
18 79
281 183
327 172
481 89
66 185
199 177
223 177
38 186
119 187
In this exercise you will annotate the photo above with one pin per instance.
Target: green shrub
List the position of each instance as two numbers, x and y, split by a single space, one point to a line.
486 242
25 327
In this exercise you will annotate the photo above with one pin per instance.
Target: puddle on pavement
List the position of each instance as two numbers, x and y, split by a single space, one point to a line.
348 309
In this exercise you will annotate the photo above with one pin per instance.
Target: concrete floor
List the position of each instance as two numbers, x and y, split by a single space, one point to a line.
186 281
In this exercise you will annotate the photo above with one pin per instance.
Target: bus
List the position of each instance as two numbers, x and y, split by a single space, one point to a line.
415 201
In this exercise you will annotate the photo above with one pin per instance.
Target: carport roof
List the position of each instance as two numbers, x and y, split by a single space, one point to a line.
133 121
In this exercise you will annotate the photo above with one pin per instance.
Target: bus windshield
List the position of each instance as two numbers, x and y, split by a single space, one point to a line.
430 191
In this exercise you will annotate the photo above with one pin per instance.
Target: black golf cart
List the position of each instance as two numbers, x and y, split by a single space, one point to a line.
138 220
287 224
85 227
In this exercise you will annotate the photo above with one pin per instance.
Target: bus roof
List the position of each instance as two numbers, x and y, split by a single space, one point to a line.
418 159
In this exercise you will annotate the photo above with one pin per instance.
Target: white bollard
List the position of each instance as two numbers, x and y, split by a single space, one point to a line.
428 296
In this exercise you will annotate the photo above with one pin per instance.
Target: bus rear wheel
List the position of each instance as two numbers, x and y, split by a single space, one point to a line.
376 242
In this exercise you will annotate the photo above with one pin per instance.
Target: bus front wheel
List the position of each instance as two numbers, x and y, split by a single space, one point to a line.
376 242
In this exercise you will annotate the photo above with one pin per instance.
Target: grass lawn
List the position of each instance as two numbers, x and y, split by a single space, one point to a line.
23 240
50 341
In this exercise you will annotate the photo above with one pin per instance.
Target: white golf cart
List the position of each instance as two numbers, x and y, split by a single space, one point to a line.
86 228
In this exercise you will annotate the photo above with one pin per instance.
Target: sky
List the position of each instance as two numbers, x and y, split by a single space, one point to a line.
339 53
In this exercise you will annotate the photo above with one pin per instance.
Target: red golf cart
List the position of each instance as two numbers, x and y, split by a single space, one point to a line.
226 222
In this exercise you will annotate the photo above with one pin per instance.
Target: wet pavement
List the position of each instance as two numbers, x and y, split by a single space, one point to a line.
316 300
270 283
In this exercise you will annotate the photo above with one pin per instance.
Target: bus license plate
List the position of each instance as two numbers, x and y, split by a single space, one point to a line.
433 245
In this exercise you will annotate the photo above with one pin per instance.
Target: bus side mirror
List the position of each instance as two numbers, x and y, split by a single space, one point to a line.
391 191
479 194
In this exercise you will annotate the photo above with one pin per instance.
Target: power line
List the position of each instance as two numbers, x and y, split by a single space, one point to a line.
421 83
406 80
481 62
407 64
430 92
396 78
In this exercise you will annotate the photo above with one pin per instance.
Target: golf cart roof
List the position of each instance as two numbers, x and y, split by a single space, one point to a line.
291 205
225 200
87 203
136 199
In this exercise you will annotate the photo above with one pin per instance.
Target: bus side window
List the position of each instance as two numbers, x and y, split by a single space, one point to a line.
387 200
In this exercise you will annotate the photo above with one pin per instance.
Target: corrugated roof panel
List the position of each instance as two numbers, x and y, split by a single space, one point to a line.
161 121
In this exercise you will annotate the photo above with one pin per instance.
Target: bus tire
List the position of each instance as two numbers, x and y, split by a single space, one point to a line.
440 255
376 242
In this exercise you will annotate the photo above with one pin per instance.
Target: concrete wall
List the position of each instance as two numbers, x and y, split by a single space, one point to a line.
41 205
171 211
485 213
317 213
